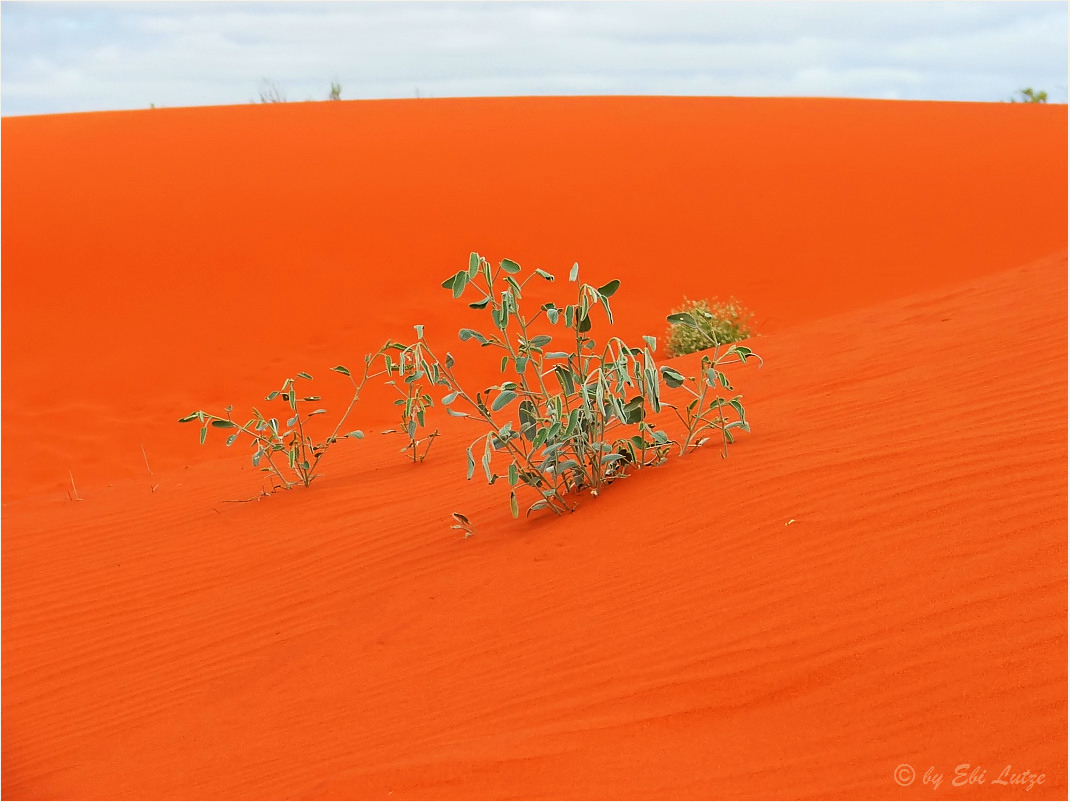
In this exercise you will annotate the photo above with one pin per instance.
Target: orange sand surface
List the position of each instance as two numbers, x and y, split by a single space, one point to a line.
876 576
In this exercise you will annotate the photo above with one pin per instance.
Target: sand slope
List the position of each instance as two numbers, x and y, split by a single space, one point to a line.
877 576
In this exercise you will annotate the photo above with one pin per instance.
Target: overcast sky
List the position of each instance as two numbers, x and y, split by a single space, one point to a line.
86 56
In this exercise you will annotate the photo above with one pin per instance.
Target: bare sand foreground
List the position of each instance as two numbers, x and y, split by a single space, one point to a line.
873 583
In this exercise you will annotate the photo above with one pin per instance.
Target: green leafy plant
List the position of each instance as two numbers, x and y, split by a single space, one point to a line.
565 420
336 91
560 420
296 449
708 411
1027 95
717 323
415 399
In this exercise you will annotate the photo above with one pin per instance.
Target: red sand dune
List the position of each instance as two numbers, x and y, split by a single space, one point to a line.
875 577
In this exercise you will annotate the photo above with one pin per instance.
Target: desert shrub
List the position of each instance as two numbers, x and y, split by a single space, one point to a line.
415 399
564 420
271 439
561 420
718 323
336 91
1027 95
708 411
295 448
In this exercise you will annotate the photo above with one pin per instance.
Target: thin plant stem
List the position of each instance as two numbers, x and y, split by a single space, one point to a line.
77 497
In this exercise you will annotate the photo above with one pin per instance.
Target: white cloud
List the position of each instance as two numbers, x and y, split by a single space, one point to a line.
59 57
